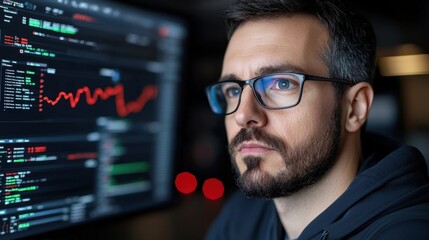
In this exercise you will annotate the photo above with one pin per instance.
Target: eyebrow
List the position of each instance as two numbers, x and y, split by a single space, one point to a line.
266 70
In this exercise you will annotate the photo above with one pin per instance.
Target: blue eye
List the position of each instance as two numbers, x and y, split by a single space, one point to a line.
282 84
231 90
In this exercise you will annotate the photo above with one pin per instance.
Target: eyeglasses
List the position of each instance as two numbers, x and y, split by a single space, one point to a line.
272 91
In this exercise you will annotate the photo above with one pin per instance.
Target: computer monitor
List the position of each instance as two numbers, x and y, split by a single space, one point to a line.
89 99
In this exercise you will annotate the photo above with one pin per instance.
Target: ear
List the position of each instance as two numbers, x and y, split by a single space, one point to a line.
359 100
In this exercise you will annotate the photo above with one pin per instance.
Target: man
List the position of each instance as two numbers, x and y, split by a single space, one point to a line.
296 91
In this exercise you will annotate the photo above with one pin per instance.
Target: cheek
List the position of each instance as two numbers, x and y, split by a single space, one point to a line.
231 128
301 123
289 127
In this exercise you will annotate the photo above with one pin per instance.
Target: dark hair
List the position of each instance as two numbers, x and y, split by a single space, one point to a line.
352 43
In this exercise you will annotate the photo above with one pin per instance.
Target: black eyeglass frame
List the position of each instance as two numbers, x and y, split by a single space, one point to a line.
251 83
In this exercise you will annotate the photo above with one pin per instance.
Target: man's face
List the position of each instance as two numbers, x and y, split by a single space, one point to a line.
278 152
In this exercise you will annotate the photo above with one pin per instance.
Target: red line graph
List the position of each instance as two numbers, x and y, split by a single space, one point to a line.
122 108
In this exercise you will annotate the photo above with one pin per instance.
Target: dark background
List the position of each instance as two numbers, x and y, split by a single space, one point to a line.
400 111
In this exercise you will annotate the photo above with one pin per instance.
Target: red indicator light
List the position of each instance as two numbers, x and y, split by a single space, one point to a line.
186 182
164 32
83 17
213 189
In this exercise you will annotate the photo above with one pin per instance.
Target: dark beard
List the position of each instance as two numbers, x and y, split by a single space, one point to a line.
305 164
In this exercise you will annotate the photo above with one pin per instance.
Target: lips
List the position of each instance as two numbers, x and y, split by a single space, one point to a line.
247 148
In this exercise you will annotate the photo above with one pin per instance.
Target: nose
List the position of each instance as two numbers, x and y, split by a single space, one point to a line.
249 113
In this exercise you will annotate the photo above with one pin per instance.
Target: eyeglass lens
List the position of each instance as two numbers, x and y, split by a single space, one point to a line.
272 91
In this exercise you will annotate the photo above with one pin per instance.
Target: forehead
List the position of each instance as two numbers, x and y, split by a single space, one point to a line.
297 41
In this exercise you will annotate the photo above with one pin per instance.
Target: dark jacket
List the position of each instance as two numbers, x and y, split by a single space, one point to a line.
389 199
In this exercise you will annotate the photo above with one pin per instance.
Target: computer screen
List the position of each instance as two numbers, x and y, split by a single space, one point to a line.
89 94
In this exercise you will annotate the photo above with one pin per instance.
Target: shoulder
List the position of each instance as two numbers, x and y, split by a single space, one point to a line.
242 218
407 223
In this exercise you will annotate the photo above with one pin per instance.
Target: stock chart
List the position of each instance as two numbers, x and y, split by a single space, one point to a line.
88 111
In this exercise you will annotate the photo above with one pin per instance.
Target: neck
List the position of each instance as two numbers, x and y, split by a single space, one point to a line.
298 210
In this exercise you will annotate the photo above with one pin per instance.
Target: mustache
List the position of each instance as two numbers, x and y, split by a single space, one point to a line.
247 134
